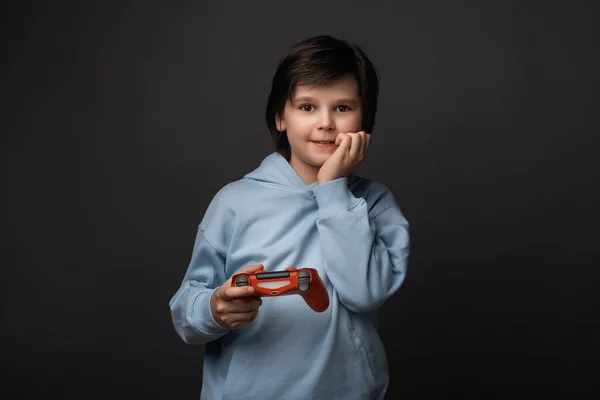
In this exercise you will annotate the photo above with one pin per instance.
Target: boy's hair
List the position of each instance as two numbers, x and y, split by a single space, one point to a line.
315 61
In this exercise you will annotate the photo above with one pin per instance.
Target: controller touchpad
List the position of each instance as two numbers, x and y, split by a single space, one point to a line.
273 285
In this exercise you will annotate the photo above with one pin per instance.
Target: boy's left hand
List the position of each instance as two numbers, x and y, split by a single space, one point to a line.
352 150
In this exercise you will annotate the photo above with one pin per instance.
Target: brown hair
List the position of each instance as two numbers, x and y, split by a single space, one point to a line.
315 61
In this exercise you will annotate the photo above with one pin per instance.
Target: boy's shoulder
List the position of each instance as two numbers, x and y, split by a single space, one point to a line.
224 207
232 192
235 196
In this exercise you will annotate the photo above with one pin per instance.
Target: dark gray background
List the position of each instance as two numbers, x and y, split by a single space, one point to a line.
121 120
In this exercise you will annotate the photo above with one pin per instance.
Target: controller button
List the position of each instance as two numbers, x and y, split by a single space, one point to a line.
303 281
241 281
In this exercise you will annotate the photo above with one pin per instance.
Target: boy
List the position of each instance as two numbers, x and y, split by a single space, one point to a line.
302 207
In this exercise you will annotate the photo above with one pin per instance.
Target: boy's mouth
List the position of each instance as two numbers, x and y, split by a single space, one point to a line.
324 144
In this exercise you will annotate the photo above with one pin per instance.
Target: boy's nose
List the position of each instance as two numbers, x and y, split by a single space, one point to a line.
326 121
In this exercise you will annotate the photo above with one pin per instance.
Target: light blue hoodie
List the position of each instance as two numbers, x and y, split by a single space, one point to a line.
351 230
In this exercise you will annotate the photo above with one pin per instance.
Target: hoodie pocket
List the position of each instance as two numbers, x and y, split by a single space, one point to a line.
365 361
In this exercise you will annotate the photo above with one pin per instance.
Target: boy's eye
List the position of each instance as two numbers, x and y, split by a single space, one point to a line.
308 107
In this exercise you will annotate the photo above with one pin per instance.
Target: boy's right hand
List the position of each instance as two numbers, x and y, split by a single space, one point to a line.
235 307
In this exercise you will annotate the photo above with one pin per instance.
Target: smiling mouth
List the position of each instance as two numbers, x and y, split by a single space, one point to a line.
324 145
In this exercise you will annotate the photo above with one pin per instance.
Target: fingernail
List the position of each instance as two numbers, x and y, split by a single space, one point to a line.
250 289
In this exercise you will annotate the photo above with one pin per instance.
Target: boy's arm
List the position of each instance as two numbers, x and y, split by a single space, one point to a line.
365 256
190 306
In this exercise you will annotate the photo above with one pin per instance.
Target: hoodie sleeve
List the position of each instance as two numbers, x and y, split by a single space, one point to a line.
366 252
190 306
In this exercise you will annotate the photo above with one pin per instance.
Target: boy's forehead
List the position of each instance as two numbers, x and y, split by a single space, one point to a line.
340 87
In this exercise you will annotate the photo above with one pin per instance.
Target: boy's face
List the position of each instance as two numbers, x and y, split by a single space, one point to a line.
316 115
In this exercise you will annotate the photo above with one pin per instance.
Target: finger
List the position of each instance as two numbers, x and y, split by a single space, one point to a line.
363 145
244 317
244 305
362 152
367 144
237 306
237 292
355 145
340 138
345 142
239 320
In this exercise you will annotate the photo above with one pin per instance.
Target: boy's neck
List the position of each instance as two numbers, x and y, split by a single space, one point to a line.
308 173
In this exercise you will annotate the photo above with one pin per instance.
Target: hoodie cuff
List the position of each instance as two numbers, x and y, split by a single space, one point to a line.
203 318
334 196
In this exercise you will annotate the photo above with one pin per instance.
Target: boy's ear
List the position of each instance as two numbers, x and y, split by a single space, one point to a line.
279 122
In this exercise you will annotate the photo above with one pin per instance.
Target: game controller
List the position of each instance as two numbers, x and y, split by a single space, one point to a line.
304 281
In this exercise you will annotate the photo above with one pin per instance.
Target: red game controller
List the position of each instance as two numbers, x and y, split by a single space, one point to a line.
304 281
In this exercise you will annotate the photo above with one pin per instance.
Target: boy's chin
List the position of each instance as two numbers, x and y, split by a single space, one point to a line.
319 161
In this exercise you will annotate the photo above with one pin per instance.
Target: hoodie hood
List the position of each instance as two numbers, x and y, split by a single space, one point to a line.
276 170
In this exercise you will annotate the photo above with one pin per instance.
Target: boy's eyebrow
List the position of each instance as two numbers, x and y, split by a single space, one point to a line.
309 99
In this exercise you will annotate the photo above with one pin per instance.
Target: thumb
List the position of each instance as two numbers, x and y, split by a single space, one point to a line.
228 294
246 270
